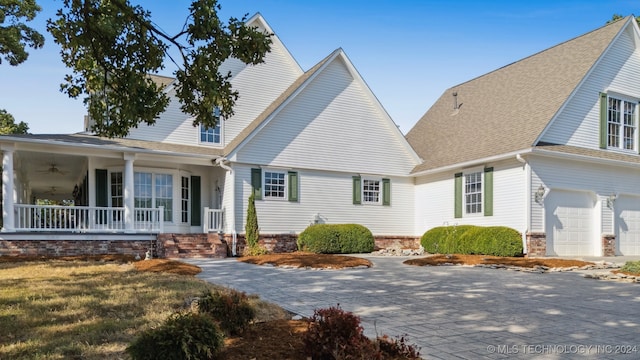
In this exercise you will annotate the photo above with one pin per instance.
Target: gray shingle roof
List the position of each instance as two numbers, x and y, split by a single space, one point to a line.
506 110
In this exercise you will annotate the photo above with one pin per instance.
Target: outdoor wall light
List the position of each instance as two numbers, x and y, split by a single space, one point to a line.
539 195
611 199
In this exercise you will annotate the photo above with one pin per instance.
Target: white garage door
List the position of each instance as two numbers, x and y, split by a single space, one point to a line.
627 218
569 223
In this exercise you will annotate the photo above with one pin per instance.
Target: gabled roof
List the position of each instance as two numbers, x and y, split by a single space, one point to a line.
279 101
294 89
506 110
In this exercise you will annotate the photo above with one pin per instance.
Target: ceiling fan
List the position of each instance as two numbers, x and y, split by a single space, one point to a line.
53 169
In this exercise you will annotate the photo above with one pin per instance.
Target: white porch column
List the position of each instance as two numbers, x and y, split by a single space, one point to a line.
8 220
128 195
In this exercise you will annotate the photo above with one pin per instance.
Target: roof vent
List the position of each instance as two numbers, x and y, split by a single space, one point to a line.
456 106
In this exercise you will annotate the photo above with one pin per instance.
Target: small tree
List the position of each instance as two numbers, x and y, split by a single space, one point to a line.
252 232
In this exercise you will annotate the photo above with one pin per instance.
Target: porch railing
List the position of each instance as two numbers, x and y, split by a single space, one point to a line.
213 220
41 218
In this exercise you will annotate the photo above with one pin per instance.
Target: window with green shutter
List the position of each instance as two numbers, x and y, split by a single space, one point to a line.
256 183
293 186
386 192
357 190
488 191
603 120
457 196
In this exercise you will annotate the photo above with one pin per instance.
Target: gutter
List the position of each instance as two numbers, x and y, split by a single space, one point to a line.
475 162
527 169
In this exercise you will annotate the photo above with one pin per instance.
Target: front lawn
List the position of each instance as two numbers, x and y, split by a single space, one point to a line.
90 309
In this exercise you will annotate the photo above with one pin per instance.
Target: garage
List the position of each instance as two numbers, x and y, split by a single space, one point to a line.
569 222
627 223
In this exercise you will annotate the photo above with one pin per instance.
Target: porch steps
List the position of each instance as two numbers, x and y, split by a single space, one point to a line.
180 246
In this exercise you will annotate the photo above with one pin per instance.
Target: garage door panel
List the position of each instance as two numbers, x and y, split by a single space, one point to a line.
569 223
627 222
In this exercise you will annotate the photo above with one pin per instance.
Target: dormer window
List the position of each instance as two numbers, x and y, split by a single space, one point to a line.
210 135
621 123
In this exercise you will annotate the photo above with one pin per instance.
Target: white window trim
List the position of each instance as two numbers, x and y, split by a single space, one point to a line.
380 195
630 99
464 192
264 185
176 191
212 144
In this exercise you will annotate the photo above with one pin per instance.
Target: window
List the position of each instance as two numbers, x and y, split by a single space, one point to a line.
164 194
274 185
621 124
370 191
116 189
473 193
154 190
185 200
210 135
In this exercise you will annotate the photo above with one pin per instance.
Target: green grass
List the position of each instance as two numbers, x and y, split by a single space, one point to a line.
631 267
87 310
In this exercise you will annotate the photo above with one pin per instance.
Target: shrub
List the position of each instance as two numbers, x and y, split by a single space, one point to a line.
230 309
251 229
336 239
336 334
398 348
443 239
469 239
631 267
181 336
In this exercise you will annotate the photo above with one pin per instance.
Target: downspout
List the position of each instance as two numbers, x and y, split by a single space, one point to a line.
527 169
220 161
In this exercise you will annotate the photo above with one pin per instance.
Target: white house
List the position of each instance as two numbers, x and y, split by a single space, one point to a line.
314 146
547 145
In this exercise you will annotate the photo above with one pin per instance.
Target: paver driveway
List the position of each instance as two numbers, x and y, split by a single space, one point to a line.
457 312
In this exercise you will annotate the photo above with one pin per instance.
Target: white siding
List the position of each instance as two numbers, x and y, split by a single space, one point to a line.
331 125
600 180
258 86
435 200
328 194
618 71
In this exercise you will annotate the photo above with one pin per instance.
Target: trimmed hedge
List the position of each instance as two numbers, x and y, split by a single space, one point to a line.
336 239
470 239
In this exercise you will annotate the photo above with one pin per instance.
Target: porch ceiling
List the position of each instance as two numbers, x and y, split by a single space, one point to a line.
48 175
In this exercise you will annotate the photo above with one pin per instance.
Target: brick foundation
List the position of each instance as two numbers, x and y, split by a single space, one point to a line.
74 247
608 245
536 244
283 243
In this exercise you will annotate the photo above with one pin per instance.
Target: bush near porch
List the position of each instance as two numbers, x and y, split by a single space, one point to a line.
473 240
336 239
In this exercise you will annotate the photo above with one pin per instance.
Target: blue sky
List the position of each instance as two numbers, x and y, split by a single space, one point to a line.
408 52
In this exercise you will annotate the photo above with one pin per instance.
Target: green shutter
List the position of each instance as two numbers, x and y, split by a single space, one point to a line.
256 183
102 188
293 186
603 120
357 190
488 191
196 202
457 197
386 192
